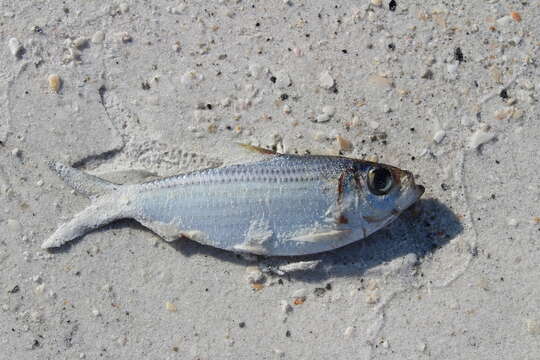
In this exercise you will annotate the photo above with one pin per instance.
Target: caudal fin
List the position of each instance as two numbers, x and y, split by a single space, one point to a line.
82 182
94 216
103 210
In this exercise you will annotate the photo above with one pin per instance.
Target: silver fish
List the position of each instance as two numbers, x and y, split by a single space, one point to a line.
283 205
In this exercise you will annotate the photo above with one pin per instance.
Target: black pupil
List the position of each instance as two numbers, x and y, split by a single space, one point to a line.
381 179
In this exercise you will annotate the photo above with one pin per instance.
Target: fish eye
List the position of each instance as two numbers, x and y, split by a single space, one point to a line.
379 180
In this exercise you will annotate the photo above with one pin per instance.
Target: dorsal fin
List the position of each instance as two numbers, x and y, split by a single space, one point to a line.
257 149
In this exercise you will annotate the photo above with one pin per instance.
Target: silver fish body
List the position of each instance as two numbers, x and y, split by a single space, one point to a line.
284 205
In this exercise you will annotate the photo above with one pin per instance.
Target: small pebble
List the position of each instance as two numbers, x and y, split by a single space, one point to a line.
377 3
255 70
16 152
480 137
15 47
191 77
254 275
533 326
516 16
283 80
373 158
40 289
452 67
380 81
300 266
348 332
170 307
225 102
124 37
177 9
439 136
98 37
54 83
286 109
80 42
285 307
373 124
512 222
372 297
329 110
326 81
123 7
503 114
505 20
344 144
96 312
321 118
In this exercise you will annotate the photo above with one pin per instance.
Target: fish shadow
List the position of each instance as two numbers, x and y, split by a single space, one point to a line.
421 230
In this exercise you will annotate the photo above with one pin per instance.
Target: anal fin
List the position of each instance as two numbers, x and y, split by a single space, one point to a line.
170 233
165 231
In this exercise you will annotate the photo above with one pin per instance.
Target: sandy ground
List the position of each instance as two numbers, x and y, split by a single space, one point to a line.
448 90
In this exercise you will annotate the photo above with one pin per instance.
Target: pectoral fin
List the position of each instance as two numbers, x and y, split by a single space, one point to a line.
323 236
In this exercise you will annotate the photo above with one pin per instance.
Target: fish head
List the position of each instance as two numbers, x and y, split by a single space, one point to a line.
384 191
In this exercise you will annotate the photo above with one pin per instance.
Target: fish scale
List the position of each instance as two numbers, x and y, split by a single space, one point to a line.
282 205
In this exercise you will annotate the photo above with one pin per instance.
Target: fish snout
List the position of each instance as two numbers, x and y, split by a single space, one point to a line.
410 183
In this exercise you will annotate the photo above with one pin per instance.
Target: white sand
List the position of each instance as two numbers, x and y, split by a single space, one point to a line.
163 87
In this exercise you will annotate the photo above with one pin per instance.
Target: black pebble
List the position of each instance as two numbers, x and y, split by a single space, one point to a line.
319 291
458 55
392 5
503 94
328 286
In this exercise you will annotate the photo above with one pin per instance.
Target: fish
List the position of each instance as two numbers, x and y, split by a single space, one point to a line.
278 205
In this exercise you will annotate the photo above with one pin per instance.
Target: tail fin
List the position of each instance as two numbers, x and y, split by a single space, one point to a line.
102 211
81 182
94 216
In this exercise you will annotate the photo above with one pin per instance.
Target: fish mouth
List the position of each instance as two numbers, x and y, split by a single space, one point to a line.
412 193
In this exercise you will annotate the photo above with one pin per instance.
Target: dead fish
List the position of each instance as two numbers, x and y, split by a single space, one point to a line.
284 205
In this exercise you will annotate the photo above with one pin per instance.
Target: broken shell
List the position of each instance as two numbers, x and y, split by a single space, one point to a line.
54 83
